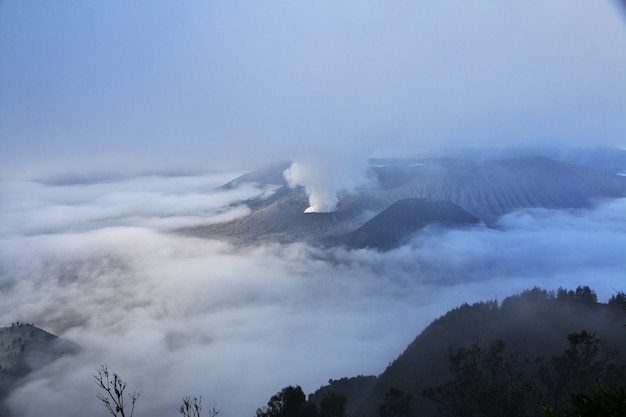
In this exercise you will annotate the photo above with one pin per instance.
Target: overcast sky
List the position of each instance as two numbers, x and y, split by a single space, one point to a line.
116 85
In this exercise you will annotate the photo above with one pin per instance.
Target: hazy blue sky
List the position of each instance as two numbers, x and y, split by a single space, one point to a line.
115 85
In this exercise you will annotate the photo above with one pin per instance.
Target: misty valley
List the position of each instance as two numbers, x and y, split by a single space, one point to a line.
471 282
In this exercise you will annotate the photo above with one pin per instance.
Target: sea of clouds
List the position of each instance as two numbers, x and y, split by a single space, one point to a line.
98 263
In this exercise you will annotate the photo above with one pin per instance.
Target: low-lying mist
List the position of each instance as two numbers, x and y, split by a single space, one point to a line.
98 264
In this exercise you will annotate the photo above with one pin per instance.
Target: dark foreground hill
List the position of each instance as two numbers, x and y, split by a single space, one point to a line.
529 340
532 325
487 189
25 348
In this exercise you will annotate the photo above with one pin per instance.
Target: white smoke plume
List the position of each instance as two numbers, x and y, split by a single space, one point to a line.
324 179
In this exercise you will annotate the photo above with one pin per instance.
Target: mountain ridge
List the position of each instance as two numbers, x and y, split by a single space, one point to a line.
397 223
486 189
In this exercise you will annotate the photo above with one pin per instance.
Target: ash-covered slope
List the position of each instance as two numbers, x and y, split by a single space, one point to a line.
486 189
281 218
492 188
396 224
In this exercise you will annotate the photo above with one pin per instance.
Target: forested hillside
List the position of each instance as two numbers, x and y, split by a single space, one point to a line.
23 349
523 356
524 333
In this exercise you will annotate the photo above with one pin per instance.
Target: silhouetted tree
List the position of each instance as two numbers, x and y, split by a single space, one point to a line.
113 396
586 295
289 402
583 293
563 295
600 402
192 406
577 370
618 300
397 404
484 383
333 405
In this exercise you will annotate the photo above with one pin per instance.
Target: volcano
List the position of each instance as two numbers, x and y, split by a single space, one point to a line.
410 194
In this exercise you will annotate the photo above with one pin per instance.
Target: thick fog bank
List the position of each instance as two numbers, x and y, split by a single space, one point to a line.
96 264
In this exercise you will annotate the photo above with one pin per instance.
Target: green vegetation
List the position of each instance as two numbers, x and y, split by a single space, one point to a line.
486 382
491 383
515 357
291 402
396 404
600 402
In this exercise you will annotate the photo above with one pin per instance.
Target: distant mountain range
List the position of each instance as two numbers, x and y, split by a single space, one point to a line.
482 189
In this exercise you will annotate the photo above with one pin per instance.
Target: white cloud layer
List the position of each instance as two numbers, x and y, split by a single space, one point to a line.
177 315
35 207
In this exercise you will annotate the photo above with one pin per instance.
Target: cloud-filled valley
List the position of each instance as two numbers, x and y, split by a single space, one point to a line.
177 315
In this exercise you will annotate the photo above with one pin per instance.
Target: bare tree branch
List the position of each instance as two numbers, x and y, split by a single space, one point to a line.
113 398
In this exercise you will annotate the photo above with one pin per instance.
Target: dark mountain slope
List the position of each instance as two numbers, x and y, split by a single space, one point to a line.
23 349
486 189
534 324
397 223
356 389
